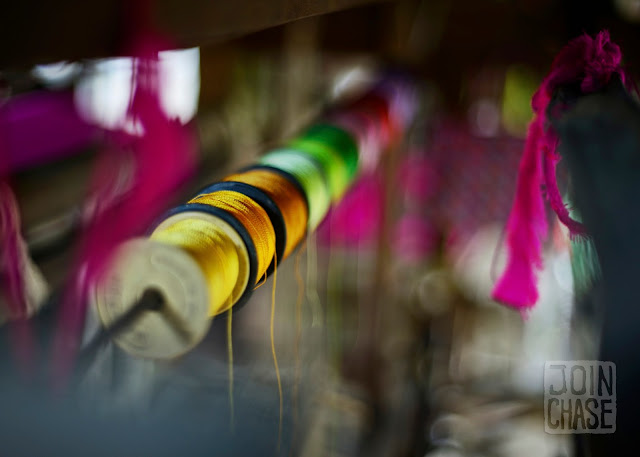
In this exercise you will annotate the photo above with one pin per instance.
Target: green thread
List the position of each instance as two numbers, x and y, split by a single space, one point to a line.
309 175
335 150
338 139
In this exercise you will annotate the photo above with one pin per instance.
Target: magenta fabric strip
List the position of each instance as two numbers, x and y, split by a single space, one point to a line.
42 127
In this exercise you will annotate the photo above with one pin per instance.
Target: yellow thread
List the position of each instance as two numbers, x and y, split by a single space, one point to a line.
254 219
214 252
261 282
286 196
273 351
230 354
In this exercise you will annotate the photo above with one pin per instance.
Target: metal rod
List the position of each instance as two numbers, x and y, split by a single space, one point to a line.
151 300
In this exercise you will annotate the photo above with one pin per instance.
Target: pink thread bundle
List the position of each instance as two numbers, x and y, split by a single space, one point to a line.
13 257
159 160
589 62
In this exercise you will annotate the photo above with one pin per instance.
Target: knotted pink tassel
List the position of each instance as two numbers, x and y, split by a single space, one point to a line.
526 228
589 62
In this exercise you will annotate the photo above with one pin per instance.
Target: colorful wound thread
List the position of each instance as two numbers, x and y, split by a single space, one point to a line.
266 203
311 177
273 204
214 252
335 150
254 219
286 195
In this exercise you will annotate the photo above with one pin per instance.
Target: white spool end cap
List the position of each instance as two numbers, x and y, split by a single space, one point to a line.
183 319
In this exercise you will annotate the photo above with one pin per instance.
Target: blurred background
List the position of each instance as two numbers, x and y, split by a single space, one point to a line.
398 350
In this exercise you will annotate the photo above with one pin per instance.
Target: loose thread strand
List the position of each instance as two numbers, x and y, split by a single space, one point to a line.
273 351
230 358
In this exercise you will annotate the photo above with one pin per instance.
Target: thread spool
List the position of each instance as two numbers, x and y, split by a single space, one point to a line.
368 118
140 265
261 224
309 174
234 228
192 292
217 248
318 143
254 219
337 138
212 252
288 197
402 99
288 176
264 198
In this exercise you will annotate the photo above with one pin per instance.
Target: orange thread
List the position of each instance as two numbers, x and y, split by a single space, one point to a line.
254 219
286 196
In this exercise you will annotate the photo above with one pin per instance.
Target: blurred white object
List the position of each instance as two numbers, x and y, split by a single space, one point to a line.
57 75
484 118
497 340
103 94
472 265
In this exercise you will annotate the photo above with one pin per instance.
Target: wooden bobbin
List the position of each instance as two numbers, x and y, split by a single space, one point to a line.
184 317
181 321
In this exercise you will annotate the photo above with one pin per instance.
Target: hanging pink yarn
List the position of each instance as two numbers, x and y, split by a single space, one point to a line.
589 62
158 161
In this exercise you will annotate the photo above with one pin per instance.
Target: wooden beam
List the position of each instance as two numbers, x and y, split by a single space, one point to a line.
39 32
